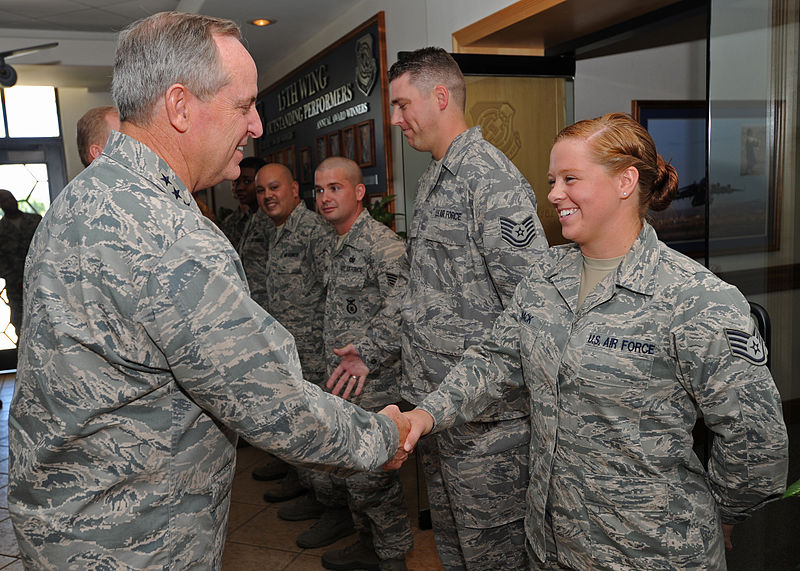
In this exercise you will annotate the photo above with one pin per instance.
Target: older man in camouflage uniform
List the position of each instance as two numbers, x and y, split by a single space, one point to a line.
474 235
16 232
367 277
142 355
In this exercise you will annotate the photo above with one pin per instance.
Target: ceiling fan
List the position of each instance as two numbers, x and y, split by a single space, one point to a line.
8 75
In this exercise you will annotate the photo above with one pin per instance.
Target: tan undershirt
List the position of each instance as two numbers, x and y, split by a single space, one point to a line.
594 270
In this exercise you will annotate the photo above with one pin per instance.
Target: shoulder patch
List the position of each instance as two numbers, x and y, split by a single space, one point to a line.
518 234
749 347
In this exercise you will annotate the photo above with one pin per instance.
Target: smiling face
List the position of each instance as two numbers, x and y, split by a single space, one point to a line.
338 198
415 112
224 122
244 188
597 210
277 193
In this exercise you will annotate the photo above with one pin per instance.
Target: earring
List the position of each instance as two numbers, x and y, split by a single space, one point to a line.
624 194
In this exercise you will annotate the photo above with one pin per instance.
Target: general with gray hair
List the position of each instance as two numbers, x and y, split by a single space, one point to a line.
143 357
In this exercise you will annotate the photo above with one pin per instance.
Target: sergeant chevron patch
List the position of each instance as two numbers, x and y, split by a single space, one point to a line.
518 234
749 347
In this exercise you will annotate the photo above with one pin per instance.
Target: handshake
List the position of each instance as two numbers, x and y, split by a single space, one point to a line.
411 425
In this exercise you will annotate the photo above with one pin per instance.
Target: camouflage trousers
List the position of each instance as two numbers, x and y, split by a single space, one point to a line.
330 490
477 477
377 504
551 552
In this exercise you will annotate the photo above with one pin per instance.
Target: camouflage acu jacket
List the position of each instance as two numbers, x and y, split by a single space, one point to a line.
295 281
474 235
142 355
367 279
253 249
233 225
616 386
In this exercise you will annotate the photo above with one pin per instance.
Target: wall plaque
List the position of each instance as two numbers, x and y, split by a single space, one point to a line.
336 103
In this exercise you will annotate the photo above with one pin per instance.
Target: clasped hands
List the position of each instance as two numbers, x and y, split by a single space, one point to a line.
411 426
348 378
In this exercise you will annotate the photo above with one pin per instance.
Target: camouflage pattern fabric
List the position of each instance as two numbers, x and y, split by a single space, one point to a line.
15 238
366 282
616 385
233 226
475 474
253 249
474 235
142 357
367 278
295 283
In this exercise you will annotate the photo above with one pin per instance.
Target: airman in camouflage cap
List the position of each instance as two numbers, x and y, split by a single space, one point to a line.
143 355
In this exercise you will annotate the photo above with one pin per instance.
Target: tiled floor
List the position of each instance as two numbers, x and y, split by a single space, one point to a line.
257 539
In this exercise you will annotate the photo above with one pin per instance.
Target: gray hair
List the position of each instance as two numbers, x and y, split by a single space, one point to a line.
161 50
429 67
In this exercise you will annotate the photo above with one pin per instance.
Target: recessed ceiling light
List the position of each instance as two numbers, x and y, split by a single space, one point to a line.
261 22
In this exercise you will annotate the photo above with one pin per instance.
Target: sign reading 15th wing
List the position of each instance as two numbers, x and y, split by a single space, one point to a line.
335 104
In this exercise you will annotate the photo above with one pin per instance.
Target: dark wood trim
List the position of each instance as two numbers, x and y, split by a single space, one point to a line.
674 13
387 126
764 280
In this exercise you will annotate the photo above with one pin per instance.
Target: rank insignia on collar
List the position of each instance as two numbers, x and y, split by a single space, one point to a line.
518 234
749 347
391 278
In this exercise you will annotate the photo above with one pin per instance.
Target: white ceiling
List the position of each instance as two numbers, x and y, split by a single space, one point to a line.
297 21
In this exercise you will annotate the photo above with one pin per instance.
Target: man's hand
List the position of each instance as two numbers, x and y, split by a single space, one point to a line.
403 427
727 530
351 372
421 424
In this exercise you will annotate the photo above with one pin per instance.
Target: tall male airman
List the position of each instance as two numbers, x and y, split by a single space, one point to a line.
473 236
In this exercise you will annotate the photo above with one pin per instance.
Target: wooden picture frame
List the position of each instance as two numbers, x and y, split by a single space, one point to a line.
744 191
678 130
306 171
289 160
322 148
365 148
335 144
349 142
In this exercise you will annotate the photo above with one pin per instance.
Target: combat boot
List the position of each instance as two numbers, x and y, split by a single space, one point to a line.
331 527
288 488
358 555
274 469
307 507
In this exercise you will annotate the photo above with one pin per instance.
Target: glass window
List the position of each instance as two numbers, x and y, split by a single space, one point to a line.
29 184
31 111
